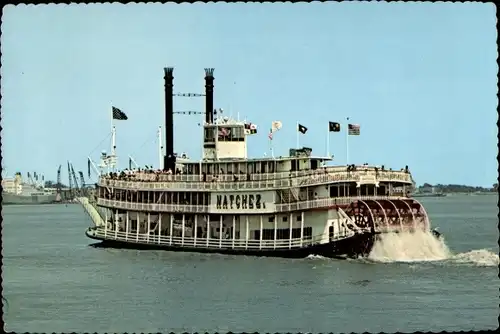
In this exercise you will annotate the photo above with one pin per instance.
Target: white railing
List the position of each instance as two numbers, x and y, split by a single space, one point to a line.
292 179
255 176
287 207
153 207
212 243
327 202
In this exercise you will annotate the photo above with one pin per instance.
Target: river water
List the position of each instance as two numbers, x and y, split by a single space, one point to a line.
54 282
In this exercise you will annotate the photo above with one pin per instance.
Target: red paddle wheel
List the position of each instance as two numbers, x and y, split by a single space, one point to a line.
405 214
361 214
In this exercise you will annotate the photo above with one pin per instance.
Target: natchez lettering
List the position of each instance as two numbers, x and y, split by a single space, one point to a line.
240 202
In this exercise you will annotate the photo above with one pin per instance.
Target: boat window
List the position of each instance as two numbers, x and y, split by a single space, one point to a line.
271 219
314 164
238 134
251 168
224 133
209 135
285 219
334 191
267 234
271 167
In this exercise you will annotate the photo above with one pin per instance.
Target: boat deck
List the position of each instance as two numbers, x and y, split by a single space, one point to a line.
218 243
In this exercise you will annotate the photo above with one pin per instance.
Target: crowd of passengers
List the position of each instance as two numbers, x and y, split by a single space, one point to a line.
382 168
158 175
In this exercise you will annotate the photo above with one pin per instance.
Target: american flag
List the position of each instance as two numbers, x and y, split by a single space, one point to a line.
354 129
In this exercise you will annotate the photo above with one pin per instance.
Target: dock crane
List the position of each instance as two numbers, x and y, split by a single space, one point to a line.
82 180
75 181
70 180
58 185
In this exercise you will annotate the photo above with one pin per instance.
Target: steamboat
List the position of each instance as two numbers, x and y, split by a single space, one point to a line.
290 206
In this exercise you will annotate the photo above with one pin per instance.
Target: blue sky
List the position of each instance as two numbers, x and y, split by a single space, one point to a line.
419 78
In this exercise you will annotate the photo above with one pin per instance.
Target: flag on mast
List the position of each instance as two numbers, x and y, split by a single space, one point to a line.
333 127
275 126
250 128
353 129
302 129
118 114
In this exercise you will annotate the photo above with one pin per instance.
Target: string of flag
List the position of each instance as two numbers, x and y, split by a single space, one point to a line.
352 129
189 112
188 94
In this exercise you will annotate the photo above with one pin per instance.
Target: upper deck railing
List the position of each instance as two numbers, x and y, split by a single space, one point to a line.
152 181
287 207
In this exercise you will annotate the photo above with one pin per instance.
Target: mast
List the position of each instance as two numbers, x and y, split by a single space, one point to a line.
112 161
160 149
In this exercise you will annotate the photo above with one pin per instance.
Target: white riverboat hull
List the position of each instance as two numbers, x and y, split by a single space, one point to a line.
354 246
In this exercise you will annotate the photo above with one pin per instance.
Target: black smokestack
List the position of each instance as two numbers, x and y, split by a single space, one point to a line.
209 95
169 159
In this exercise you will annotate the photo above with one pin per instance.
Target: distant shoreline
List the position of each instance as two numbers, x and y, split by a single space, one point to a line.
427 188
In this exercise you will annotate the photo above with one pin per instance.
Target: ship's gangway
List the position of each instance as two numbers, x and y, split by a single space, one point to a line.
91 210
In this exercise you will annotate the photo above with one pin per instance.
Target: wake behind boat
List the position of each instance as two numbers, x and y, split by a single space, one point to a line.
291 206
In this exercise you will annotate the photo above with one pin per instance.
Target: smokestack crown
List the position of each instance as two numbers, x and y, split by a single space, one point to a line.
168 72
209 73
